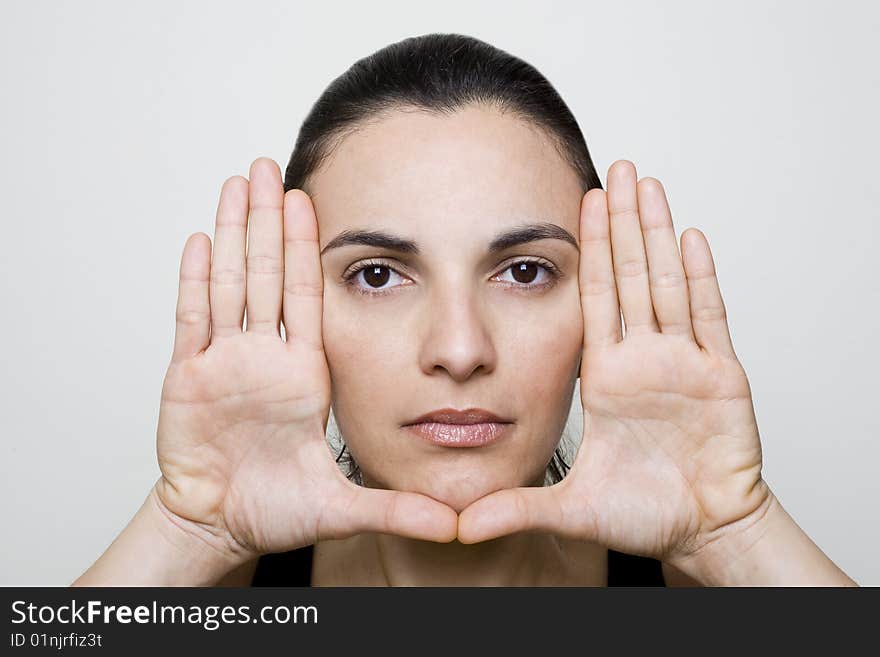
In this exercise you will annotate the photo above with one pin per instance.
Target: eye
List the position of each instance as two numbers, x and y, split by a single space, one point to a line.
525 271
370 278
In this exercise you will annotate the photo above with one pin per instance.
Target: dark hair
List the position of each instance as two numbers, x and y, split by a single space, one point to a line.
437 74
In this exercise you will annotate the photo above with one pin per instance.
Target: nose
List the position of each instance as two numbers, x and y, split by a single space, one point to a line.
457 336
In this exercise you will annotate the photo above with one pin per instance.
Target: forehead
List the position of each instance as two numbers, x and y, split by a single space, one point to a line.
474 171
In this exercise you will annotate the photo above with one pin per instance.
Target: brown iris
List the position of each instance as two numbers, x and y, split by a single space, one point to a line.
525 272
374 278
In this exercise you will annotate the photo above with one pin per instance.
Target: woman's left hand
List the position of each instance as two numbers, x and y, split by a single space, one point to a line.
671 457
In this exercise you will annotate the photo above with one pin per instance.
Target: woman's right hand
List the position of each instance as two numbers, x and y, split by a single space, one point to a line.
241 436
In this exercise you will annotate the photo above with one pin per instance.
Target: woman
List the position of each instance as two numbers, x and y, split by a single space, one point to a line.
445 264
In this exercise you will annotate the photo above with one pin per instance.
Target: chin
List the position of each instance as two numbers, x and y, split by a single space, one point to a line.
457 489
459 494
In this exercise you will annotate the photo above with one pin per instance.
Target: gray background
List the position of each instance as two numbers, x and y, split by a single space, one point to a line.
120 121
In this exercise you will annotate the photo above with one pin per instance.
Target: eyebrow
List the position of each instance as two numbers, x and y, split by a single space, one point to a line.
504 240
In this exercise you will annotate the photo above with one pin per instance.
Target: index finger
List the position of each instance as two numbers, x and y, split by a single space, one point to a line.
598 289
302 302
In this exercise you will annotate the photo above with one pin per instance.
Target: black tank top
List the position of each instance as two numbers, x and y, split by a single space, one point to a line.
294 568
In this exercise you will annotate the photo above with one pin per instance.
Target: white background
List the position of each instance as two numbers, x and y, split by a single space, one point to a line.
120 121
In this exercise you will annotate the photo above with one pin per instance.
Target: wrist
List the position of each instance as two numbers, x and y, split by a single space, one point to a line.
767 548
214 549
157 548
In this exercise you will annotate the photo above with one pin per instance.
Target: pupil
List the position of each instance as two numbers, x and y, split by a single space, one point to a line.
523 272
373 278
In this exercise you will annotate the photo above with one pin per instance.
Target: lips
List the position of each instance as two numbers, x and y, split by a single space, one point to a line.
448 427
453 416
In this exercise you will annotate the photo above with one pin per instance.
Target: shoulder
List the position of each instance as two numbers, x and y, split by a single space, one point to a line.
350 561
240 576
674 577
586 563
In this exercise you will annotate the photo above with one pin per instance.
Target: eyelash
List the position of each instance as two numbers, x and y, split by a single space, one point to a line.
554 272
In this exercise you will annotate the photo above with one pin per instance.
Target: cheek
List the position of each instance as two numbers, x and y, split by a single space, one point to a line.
546 350
363 351
360 352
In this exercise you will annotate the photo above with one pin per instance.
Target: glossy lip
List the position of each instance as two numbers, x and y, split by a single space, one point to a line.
454 416
460 435
448 427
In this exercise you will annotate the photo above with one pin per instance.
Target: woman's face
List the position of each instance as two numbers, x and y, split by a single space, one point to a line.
450 322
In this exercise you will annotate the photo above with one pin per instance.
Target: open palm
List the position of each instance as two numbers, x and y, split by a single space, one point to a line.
670 455
241 435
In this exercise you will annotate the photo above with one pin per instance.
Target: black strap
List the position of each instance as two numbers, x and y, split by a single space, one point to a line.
294 568
630 570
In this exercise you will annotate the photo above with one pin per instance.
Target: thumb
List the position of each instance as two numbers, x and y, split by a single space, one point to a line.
516 510
394 512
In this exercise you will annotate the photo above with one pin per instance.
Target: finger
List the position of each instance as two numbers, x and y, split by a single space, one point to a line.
303 276
628 250
396 512
265 252
514 510
193 317
227 262
708 314
669 291
597 287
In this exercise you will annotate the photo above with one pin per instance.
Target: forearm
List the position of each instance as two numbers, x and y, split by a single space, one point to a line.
156 550
770 551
